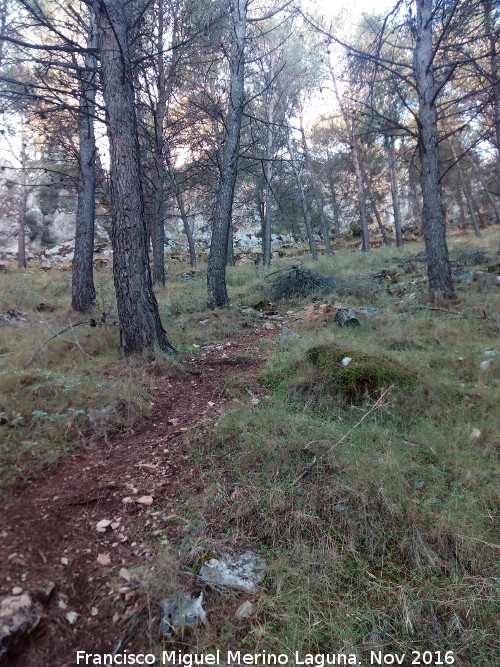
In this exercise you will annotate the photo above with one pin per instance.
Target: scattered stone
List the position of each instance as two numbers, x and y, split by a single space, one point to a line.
18 617
115 525
243 573
94 611
62 602
145 500
368 310
104 559
124 574
286 335
245 610
484 365
475 433
44 590
65 561
127 500
255 400
346 361
71 617
492 353
102 525
12 316
419 484
181 611
17 590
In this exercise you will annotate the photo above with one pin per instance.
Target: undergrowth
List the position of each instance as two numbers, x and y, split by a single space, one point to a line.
369 487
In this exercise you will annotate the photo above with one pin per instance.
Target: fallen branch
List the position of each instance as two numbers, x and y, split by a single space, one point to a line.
38 349
455 312
378 404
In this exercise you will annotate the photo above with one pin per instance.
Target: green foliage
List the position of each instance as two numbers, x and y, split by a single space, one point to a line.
47 238
363 377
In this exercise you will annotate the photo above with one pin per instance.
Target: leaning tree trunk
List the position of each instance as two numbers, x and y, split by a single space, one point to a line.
394 192
216 273
317 195
365 237
467 194
140 325
82 285
439 269
303 201
181 206
376 213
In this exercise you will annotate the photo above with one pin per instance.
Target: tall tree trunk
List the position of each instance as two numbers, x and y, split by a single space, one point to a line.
268 191
216 273
181 206
491 199
365 237
140 325
394 191
303 201
159 181
23 209
467 194
439 269
494 73
82 286
230 261
377 217
335 206
353 145
317 195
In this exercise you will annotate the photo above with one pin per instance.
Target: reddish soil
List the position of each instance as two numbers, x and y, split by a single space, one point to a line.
55 517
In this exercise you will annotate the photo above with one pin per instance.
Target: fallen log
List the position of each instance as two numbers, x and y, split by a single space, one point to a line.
346 317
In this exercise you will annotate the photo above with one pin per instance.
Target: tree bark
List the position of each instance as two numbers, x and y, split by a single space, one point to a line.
182 208
365 237
159 181
216 273
491 199
268 192
317 195
494 73
140 326
23 210
303 201
467 194
394 192
82 286
335 205
378 218
439 269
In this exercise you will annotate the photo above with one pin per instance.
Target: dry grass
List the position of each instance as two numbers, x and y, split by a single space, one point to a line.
390 541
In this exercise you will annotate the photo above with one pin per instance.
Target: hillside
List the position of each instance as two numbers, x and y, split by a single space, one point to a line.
358 462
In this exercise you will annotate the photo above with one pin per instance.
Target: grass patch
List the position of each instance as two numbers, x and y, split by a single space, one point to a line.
389 542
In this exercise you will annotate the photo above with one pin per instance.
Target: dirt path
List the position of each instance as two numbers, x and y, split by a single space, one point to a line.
49 533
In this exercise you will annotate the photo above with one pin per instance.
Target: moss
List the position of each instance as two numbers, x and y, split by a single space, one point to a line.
365 375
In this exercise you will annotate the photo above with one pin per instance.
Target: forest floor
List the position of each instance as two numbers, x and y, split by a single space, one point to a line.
372 495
